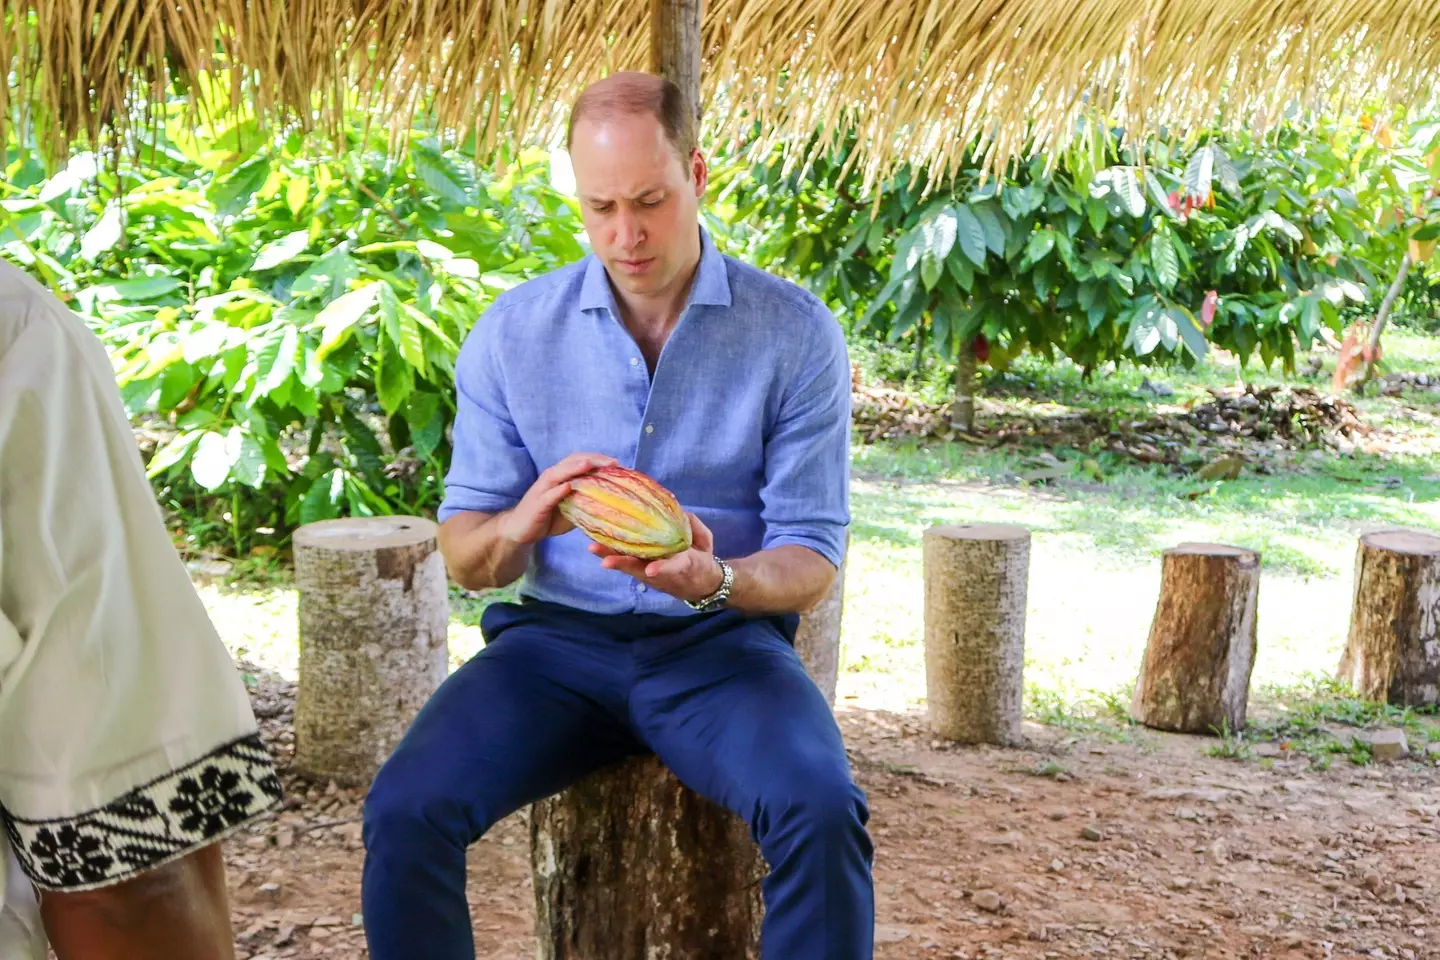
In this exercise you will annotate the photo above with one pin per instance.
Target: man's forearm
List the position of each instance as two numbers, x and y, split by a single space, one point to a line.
476 556
784 579
178 911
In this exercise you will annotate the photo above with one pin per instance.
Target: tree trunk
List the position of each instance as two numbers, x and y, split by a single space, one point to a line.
374 621
976 584
1195 676
962 410
629 863
1386 305
675 47
1393 652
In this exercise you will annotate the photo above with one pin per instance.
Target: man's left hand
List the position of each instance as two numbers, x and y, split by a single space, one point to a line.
692 575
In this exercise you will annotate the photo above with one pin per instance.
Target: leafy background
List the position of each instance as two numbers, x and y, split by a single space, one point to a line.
284 317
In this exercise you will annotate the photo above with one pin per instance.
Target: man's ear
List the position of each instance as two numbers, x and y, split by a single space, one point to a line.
699 171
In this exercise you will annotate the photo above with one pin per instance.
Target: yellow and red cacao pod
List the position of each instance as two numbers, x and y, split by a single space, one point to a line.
628 512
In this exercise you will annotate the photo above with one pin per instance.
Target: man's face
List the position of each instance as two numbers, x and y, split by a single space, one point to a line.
638 200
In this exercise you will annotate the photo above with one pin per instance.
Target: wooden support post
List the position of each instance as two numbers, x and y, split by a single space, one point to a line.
1393 651
976 586
675 29
1195 676
374 621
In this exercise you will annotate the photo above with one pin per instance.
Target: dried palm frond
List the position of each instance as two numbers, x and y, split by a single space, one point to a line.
922 82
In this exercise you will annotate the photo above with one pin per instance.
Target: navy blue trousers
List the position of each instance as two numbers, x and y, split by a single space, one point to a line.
723 700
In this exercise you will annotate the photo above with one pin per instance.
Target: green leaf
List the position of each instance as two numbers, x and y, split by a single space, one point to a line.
961 270
1431 231
1225 170
248 466
994 229
931 270
1041 243
394 378
939 235
277 360
172 453
427 428
412 344
1098 215
321 501
328 276
104 235
212 462
136 290
281 251
340 315
233 194
442 176
1310 319
1199 172
1190 333
1163 259
970 233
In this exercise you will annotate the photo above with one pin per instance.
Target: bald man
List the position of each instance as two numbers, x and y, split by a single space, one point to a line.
732 388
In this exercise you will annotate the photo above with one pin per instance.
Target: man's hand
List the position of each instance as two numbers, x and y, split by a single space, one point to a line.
534 518
487 550
692 575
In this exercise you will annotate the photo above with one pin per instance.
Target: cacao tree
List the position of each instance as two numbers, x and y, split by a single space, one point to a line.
1092 255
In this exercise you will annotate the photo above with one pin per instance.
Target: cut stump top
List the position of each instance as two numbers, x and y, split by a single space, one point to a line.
1211 550
1415 542
365 533
980 531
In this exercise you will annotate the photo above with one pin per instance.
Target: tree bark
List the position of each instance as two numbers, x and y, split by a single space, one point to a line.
629 863
962 410
1195 676
675 48
1393 651
976 586
374 622
1386 305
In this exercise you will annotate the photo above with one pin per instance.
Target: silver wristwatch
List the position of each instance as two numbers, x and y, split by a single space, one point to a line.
717 599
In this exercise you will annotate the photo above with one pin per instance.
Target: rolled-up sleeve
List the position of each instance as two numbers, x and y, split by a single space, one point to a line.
490 468
806 493
127 738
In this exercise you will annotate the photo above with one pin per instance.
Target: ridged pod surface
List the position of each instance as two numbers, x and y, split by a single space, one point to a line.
628 512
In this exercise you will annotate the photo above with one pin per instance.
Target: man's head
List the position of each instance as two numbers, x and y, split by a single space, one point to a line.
640 178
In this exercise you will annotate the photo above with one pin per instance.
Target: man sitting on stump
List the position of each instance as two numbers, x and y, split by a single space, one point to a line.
731 388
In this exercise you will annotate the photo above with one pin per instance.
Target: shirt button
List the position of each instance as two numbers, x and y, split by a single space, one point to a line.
649 428
634 361
641 588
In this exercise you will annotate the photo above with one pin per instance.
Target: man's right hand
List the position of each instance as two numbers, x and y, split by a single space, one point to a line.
535 517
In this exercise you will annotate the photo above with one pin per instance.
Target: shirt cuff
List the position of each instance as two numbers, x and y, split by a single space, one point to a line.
152 825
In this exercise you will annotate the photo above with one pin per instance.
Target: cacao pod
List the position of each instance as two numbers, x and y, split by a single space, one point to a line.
628 512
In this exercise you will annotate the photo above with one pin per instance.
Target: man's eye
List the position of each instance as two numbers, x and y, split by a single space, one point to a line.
652 203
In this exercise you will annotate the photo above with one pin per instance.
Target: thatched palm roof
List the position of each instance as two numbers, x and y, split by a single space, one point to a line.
916 79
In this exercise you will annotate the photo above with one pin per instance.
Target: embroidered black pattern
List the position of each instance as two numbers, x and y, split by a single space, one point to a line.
151 824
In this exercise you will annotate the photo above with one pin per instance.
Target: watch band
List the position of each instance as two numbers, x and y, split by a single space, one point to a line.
717 599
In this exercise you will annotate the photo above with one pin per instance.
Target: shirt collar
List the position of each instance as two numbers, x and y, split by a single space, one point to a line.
711 286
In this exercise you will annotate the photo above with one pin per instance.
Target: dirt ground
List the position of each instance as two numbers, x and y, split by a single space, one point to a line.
1143 847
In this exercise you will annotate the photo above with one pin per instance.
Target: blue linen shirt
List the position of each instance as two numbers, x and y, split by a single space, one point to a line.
746 419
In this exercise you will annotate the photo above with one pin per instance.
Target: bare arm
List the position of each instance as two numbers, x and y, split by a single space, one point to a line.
784 579
486 550
178 911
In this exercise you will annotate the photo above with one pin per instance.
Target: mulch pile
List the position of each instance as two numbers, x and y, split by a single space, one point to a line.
1264 419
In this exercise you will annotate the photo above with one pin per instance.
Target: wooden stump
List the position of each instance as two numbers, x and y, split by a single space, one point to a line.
374 618
976 586
629 863
1393 651
1195 676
